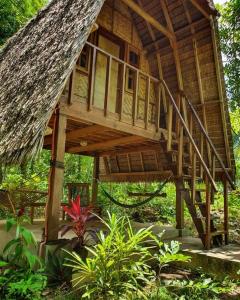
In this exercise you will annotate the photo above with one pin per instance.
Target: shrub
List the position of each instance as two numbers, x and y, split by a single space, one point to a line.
21 276
118 266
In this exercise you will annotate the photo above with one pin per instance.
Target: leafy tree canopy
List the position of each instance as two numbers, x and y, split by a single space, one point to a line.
14 14
229 28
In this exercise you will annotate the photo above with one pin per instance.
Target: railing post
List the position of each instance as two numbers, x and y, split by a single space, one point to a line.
122 91
213 176
180 152
135 97
226 227
191 132
202 153
194 177
208 215
169 127
92 79
107 86
147 101
158 107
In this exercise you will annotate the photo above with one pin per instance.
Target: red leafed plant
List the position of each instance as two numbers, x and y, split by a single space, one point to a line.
79 216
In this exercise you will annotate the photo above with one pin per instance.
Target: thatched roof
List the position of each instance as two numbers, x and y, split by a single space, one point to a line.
34 66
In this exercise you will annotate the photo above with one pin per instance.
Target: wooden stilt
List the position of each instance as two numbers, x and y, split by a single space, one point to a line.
56 178
95 180
208 216
179 207
226 227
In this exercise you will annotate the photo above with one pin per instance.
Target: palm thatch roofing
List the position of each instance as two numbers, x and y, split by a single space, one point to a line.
34 66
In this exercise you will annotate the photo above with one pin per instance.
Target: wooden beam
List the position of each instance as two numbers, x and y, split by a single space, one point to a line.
226 216
141 12
200 8
107 144
78 111
179 207
151 147
220 89
178 31
198 72
136 176
79 133
56 178
159 63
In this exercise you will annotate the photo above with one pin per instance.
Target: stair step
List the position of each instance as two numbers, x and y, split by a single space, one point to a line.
190 177
175 152
197 190
218 232
200 203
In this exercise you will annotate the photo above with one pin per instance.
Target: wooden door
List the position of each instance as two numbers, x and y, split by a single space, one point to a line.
101 73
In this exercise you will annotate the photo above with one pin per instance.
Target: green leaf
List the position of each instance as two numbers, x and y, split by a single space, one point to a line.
10 244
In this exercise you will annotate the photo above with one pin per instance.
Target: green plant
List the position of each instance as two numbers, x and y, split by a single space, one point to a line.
57 273
17 283
168 253
202 288
118 266
17 251
21 276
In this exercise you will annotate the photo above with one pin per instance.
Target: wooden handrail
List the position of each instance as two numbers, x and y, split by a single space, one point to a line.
122 62
209 142
190 136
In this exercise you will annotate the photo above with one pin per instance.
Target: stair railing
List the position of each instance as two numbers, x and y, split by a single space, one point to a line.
215 154
195 149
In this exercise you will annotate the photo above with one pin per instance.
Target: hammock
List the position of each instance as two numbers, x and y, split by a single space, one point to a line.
155 194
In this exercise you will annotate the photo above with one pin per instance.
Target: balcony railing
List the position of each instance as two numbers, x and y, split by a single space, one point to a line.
123 90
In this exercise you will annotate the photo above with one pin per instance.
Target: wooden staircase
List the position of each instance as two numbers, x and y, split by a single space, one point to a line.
194 159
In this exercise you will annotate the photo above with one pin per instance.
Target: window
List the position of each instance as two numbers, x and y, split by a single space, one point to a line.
130 82
83 60
133 58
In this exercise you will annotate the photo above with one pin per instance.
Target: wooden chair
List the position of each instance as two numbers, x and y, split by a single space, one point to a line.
23 198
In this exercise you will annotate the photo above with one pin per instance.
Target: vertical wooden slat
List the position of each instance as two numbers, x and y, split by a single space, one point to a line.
147 101
194 176
71 87
208 216
213 176
180 152
106 164
179 207
220 90
135 97
95 180
177 119
202 154
191 132
122 91
226 226
158 107
169 127
108 82
92 79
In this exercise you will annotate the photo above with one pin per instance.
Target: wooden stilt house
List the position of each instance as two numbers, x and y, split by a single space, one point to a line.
136 84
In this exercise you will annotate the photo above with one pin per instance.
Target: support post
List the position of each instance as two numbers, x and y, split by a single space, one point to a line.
95 180
55 190
179 207
226 227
